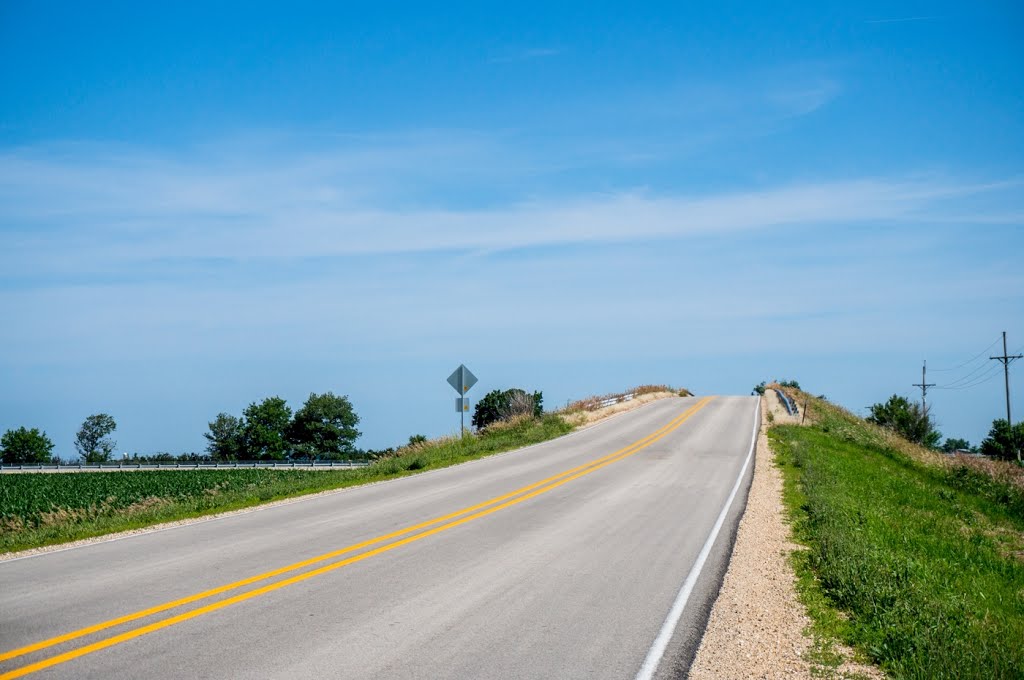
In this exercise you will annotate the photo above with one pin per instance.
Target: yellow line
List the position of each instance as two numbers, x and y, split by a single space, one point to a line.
21 651
66 637
563 478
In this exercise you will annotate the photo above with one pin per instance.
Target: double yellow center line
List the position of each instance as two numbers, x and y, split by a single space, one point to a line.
424 529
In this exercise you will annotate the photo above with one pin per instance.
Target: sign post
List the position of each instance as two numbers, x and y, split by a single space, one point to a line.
461 380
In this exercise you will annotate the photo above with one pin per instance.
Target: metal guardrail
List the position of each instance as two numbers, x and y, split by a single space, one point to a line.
615 400
790 405
233 465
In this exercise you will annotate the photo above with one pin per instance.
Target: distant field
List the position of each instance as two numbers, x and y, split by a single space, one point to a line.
44 509
919 566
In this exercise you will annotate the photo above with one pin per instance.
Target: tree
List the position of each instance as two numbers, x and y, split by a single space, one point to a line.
23 446
325 427
92 442
265 430
1003 441
906 419
758 388
954 444
224 437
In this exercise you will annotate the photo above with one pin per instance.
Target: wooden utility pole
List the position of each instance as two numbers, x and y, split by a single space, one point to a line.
924 385
1006 359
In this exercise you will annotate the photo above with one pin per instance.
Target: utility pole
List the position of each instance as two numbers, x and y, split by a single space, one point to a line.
1006 359
924 385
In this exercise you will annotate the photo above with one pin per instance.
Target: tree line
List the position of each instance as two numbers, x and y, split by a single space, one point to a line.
324 428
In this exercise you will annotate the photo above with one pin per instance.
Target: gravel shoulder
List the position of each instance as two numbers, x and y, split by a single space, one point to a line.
758 628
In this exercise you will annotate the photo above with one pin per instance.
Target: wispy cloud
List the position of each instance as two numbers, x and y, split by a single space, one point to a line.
804 99
62 208
257 251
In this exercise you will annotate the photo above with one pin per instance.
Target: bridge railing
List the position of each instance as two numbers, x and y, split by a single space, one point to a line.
790 405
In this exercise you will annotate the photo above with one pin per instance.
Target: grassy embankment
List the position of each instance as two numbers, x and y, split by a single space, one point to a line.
914 558
45 509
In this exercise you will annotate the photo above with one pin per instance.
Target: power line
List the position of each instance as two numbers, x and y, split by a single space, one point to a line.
968 377
980 380
988 376
971 360
979 376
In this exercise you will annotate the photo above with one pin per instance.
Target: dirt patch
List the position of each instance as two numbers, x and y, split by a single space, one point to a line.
757 626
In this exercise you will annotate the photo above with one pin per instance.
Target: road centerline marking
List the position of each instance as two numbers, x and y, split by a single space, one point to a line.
111 623
479 510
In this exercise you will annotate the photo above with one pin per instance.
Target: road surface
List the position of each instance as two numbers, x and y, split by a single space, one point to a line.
569 559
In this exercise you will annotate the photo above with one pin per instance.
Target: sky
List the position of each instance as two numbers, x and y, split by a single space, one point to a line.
202 206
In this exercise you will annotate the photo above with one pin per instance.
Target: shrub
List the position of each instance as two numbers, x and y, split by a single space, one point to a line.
498 405
906 419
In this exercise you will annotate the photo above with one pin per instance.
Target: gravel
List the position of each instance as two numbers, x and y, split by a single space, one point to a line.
756 628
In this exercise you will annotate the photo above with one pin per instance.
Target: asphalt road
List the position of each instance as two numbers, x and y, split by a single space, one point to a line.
456 573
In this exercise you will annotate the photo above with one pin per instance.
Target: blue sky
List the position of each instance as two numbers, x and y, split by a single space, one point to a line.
201 207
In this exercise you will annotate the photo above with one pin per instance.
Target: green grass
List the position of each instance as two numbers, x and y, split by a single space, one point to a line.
917 566
45 509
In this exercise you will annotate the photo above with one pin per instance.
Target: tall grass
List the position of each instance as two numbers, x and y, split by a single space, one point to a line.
45 509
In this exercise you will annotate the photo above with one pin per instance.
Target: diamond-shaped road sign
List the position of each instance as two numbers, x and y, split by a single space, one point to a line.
462 379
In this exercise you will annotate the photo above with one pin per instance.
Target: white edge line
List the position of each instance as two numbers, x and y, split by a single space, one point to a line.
668 628
190 521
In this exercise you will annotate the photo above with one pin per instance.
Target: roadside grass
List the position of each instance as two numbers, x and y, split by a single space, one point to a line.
918 565
1000 481
45 509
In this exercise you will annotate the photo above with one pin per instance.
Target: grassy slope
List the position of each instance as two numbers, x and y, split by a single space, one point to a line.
45 509
916 564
